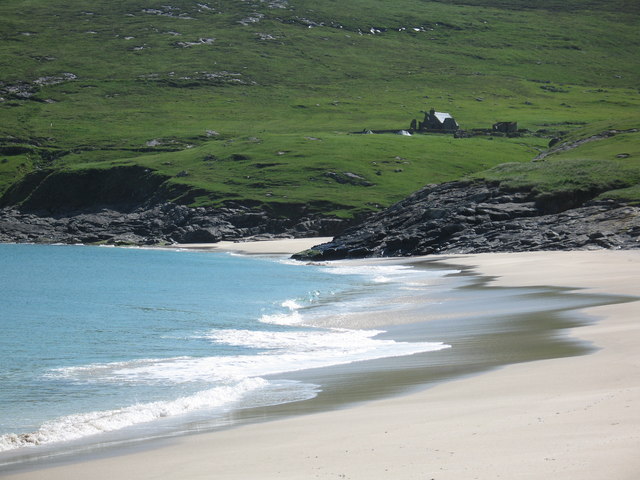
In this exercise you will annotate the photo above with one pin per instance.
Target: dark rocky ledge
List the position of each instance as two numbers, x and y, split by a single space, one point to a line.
164 223
128 205
455 217
466 217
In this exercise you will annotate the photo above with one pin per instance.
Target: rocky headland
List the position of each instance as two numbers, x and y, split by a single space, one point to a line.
478 217
448 218
159 224
131 205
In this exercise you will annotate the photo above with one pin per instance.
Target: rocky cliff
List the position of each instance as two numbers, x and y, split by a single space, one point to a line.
159 224
52 192
476 217
454 217
130 205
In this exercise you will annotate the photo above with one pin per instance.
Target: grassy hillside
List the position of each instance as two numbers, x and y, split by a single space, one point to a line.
256 101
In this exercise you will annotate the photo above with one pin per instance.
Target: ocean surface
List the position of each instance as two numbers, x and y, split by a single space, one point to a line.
106 344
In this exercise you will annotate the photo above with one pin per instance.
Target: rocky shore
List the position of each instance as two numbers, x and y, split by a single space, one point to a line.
454 217
479 217
160 224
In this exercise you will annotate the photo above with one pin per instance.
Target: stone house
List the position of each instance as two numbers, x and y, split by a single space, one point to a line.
437 121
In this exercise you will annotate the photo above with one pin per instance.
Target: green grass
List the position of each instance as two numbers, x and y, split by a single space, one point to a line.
609 167
568 69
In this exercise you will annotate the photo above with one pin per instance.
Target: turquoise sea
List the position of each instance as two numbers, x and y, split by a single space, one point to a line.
105 344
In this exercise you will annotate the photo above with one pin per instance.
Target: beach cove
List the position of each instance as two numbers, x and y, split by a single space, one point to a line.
570 417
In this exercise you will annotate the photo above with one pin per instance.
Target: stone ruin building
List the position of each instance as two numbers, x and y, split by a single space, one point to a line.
435 121
505 127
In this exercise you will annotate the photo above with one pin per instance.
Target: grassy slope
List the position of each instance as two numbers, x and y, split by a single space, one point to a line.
284 104
610 167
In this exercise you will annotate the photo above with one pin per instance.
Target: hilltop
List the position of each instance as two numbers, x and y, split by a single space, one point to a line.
251 106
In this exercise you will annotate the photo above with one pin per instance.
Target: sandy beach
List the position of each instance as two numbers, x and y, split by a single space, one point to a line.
267 247
566 418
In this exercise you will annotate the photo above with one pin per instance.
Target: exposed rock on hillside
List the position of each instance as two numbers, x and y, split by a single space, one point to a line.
159 224
463 217
557 147
128 205
28 90
348 178
46 192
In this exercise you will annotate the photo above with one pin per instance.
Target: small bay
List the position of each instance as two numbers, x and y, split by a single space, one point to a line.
100 340
107 346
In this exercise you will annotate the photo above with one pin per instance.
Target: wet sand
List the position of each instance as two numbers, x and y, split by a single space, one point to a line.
561 418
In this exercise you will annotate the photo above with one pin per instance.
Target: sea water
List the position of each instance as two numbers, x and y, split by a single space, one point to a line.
130 342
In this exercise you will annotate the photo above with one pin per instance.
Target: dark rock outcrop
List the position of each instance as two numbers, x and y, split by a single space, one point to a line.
465 217
159 224
47 192
131 204
455 217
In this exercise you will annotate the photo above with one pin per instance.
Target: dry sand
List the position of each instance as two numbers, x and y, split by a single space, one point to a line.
569 418
266 247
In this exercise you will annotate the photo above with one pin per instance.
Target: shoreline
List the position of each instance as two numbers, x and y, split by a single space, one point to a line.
570 417
287 246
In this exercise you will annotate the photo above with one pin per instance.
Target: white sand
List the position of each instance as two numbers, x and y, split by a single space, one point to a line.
266 247
569 418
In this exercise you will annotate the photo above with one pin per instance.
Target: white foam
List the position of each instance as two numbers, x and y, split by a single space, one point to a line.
369 270
273 352
385 273
284 352
372 297
298 340
287 351
237 375
293 318
291 304
105 372
81 425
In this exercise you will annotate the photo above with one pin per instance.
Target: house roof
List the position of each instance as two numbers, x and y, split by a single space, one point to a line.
441 116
